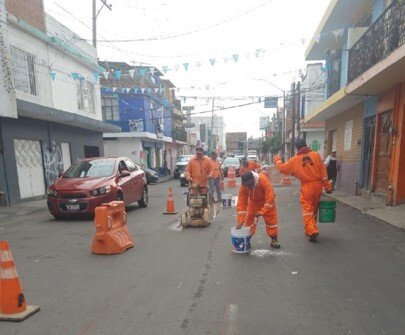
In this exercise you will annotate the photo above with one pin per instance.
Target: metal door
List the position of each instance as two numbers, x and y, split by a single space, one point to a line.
384 151
30 170
369 133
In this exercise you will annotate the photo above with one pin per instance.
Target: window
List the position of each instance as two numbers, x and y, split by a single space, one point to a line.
111 108
131 165
85 96
23 71
348 135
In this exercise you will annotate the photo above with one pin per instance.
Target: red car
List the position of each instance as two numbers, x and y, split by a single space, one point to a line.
91 182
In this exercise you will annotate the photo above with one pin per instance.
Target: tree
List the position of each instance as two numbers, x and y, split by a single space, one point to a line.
271 144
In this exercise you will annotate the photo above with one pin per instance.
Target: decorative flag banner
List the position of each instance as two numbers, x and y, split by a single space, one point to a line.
106 74
131 72
123 90
212 61
207 87
142 71
118 74
81 78
128 90
176 67
226 60
96 76
257 52
153 79
53 75
185 66
165 69
198 64
338 33
74 75
156 90
142 90
114 89
235 57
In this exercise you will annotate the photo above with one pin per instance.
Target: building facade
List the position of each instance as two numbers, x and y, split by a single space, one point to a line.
362 43
50 101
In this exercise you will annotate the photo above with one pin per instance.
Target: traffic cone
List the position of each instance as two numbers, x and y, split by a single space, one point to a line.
170 203
13 306
231 183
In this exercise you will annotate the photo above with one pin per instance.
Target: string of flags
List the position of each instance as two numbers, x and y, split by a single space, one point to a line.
338 33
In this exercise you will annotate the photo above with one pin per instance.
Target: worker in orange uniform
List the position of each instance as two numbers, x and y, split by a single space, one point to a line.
255 199
198 170
216 176
249 165
308 167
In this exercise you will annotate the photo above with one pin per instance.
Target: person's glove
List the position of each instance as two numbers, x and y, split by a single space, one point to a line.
276 159
329 191
327 185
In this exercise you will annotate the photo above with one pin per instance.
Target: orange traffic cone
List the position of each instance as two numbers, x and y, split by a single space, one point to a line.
231 183
13 306
170 203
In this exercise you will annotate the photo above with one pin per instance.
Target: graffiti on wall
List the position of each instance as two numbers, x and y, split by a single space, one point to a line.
53 163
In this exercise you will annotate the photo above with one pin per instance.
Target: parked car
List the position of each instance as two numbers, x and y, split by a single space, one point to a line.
183 181
91 182
228 162
180 165
151 176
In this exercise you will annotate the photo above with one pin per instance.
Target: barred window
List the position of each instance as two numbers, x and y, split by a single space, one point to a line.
85 96
110 107
23 71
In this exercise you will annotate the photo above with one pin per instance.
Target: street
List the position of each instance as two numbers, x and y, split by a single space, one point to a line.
189 282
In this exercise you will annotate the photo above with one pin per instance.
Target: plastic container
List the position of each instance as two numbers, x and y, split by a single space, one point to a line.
327 211
226 200
240 239
234 200
185 195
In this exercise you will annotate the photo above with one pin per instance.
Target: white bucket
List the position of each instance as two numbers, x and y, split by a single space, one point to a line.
185 195
226 200
240 239
234 200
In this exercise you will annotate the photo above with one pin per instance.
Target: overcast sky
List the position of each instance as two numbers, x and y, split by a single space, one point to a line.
267 38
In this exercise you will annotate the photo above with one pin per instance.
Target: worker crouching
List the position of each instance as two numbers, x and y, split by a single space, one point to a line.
255 199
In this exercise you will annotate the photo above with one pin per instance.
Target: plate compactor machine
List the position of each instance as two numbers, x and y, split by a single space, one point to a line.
200 209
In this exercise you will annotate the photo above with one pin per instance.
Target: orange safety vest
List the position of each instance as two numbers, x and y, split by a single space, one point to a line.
198 170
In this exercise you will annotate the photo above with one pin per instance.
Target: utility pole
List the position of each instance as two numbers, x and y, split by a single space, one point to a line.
293 105
283 128
298 109
212 125
95 14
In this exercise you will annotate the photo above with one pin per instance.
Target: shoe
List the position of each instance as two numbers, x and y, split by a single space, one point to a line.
274 243
312 238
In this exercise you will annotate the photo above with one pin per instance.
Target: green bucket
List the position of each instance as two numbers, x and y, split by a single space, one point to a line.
327 211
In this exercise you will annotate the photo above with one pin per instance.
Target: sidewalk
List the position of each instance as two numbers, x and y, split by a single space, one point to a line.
394 216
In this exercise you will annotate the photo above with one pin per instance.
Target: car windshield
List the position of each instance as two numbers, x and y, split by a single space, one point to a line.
184 159
91 169
231 160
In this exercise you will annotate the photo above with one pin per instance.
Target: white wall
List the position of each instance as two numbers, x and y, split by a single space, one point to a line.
128 147
62 92
316 136
313 87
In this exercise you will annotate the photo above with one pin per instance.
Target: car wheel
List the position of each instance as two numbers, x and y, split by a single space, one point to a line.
145 198
57 217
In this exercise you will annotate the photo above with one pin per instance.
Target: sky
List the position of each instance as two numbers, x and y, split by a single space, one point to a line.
257 47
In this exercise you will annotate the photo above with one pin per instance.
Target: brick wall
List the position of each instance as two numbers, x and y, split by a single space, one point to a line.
30 11
349 160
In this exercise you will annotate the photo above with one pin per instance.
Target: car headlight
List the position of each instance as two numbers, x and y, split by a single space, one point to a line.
51 192
101 190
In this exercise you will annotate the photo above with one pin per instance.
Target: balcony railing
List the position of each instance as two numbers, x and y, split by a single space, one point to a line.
334 66
385 36
179 135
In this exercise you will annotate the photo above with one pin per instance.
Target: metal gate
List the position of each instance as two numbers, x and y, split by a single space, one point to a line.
30 170
369 133
384 151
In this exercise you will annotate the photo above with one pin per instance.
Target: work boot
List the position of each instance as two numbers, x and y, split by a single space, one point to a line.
274 243
312 238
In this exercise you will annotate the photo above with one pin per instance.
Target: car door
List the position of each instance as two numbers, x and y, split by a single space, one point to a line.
137 176
126 183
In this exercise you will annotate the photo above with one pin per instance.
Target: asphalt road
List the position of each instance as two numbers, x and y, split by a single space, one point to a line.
189 282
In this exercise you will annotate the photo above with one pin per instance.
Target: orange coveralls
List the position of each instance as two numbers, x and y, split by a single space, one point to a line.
259 199
198 171
251 166
309 168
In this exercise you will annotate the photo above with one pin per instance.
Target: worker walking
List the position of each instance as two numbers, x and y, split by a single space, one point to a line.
332 167
198 170
255 199
308 167
216 176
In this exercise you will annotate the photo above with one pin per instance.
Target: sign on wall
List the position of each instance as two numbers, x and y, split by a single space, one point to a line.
348 135
264 122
